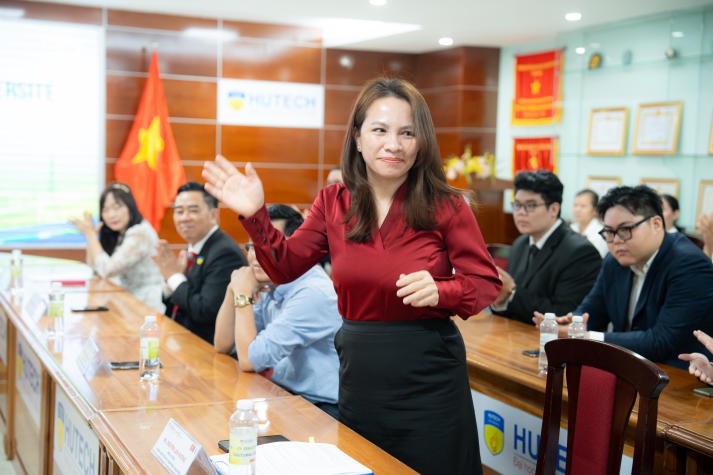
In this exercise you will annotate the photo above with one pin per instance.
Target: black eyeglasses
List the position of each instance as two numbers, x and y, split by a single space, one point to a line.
624 232
528 206
249 247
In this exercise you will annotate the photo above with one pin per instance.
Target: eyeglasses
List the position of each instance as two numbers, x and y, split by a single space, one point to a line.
624 232
249 247
528 206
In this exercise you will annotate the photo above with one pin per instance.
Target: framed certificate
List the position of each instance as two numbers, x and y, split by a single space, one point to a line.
705 197
607 131
657 128
662 186
602 184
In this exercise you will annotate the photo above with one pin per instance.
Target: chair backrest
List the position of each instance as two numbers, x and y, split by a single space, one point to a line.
500 254
603 381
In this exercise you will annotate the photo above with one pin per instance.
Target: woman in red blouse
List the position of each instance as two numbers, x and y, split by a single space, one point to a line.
406 254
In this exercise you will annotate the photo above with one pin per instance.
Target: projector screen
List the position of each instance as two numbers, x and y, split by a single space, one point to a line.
52 104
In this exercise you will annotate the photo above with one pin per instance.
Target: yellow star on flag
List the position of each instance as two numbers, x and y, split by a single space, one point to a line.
535 87
533 162
151 143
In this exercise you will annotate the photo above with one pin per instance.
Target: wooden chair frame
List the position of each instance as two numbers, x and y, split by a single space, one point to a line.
634 375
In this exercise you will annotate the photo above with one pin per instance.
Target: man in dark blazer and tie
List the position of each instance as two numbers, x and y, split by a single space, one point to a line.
550 268
196 279
655 288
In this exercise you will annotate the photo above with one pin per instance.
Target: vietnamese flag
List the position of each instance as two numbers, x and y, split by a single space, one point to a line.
150 163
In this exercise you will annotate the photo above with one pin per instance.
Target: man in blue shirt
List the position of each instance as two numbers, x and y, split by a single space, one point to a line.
286 332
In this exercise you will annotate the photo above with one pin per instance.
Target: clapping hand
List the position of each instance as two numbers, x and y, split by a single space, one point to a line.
243 193
85 225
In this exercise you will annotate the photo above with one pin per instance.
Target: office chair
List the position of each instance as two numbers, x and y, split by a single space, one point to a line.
603 381
500 254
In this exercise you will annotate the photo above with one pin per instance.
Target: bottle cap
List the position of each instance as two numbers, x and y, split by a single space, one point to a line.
244 404
16 253
577 318
549 315
150 319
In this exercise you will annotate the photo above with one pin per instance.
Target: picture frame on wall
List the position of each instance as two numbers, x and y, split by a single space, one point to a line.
657 128
710 143
602 184
705 197
662 186
607 131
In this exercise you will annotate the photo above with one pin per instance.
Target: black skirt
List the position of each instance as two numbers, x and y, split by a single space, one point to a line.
404 386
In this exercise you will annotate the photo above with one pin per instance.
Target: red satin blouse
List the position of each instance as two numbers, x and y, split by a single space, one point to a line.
365 274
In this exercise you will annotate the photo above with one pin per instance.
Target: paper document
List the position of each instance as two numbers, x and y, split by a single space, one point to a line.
298 458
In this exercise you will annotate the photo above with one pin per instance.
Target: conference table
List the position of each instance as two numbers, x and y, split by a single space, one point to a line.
65 411
499 371
56 393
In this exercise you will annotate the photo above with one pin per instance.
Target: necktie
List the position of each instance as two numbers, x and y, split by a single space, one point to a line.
531 255
191 260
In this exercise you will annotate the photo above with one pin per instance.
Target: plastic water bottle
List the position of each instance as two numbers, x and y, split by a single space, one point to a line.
243 439
16 281
548 332
149 365
577 329
55 311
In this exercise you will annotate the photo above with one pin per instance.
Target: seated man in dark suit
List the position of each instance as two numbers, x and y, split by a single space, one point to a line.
550 268
655 288
196 278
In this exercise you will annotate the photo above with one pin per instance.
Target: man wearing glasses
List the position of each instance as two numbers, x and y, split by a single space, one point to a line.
285 332
550 268
654 288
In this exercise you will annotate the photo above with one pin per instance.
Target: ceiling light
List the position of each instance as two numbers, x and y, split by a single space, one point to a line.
342 31
445 41
573 16
677 34
377 3
211 34
580 50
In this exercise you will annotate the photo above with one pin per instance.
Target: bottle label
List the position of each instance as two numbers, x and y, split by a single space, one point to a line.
243 446
56 309
544 338
149 348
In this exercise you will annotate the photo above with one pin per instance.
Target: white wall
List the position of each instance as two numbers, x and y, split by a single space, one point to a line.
649 78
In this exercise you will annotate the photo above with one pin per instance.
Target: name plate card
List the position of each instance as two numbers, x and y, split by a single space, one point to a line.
28 378
34 307
180 453
90 360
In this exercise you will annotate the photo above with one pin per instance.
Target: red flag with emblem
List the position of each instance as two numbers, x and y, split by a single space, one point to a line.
150 163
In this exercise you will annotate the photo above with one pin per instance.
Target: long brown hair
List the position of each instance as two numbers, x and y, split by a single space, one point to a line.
426 181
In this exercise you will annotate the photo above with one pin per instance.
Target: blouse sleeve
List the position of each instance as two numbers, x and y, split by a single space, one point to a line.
285 259
474 283
136 246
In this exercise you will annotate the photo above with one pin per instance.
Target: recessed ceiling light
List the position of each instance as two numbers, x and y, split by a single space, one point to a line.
573 16
677 34
445 41
378 3
580 50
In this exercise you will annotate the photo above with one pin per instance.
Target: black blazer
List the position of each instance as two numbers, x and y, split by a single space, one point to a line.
199 298
560 275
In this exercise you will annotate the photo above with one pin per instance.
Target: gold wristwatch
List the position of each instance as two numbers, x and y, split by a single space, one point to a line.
242 300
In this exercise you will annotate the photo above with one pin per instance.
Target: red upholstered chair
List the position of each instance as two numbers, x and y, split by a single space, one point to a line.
500 254
603 381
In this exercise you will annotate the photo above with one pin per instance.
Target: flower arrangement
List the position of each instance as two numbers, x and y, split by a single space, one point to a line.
468 165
